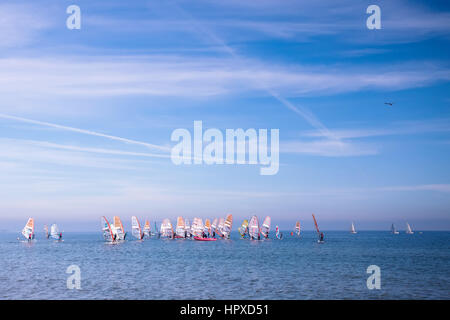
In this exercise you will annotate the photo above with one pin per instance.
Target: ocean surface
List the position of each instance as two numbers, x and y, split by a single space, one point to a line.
412 267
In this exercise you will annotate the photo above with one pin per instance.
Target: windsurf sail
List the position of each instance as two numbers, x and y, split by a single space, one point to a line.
166 229
187 226
214 225
28 230
265 228
180 230
320 234
147 229
253 228
118 229
393 230
408 229
54 232
243 229
106 229
197 227
47 234
297 228
219 229
278 234
352 228
208 227
228 224
157 233
136 230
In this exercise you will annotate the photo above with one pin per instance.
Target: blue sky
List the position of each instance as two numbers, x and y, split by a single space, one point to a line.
139 70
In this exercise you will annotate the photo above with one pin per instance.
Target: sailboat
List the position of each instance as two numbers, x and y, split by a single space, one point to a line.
243 229
228 224
219 229
107 230
166 230
393 230
408 229
253 229
54 232
278 234
214 227
187 226
147 229
28 230
156 233
136 230
320 234
297 228
208 227
180 230
118 230
352 228
197 227
47 234
265 228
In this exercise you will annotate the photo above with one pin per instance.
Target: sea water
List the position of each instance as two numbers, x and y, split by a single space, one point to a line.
411 267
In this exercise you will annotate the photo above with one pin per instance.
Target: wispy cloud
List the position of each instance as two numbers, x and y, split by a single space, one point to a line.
83 131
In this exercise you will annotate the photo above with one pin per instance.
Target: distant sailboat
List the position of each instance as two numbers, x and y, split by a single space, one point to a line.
54 232
118 230
180 230
107 230
278 234
28 230
297 228
320 234
253 228
227 225
243 229
352 229
136 230
147 230
408 229
265 228
47 234
393 230
166 230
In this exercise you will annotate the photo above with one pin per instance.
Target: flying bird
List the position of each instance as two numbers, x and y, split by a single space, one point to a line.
389 103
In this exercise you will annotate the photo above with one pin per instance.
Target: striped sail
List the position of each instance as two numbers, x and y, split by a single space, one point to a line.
227 226
28 230
253 228
197 227
147 229
265 228
297 228
187 226
214 225
136 230
243 228
166 229
180 229
219 229
118 230
208 226
106 229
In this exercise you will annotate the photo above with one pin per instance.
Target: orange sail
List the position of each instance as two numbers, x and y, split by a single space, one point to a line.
315 222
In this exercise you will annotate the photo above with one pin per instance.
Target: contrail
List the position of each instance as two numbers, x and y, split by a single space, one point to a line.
88 132
301 111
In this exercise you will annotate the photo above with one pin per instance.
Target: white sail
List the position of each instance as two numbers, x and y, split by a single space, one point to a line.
393 230
408 229
54 232
147 229
166 229
352 228
187 226
136 230
107 230
197 227
180 229
28 230
265 228
227 225
253 228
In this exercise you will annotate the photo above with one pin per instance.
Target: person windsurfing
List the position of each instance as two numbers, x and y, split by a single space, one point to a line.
321 237
60 236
